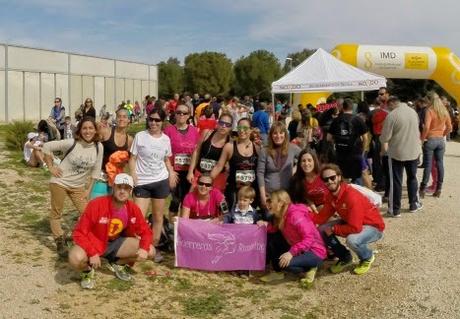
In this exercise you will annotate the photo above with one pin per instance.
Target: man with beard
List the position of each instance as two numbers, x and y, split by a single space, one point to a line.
359 222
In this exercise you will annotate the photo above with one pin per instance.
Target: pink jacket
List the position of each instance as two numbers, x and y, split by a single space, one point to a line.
300 232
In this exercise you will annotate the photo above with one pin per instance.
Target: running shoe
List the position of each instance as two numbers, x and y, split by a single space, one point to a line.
308 280
61 247
87 279
415 207
273 276
158 258
121 271
364 266
340 266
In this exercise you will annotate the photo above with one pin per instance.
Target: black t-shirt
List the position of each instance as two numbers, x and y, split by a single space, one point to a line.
358 128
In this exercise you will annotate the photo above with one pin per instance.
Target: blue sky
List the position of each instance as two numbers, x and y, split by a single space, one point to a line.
152 31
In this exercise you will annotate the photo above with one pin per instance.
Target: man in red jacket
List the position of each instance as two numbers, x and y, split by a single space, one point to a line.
360 222
114 228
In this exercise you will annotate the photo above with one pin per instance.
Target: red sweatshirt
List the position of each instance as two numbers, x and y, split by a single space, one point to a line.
353 208
92 230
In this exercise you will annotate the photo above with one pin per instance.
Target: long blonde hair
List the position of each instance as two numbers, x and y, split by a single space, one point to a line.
280 196
437 106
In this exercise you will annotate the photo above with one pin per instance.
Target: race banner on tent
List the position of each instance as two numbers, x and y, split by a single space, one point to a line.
325 106
219 247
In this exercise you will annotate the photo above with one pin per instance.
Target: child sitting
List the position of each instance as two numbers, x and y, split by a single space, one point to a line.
33 154
243 213
68 128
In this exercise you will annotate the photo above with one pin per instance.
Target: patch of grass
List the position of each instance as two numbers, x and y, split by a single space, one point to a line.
256 295
16 134
183 283
204 306
119 285
30 217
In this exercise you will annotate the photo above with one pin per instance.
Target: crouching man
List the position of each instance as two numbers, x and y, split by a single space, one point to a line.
114 228
360 222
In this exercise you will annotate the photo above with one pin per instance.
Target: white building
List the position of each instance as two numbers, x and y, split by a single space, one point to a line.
31 78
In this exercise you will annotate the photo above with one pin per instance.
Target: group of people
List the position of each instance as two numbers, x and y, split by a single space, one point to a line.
247 168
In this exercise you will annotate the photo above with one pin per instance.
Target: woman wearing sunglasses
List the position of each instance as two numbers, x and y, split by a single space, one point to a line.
276 162
152 171
184 138
242 158
88 109
205 202
306 186
209 150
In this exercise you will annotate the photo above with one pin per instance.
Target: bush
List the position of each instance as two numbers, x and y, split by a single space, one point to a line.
16 134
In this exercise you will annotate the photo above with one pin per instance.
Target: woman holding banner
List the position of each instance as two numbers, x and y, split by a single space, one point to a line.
205 202
300 249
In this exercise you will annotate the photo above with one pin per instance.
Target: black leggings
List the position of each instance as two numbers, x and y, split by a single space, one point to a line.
178 193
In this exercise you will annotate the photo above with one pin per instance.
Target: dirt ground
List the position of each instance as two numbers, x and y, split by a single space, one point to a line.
415 274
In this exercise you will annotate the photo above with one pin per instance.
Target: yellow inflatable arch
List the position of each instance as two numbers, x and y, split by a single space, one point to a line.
403 62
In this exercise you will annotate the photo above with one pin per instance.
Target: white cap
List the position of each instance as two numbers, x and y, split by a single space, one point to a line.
31 135
123 179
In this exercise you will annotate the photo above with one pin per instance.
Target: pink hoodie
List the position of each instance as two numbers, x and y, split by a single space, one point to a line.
300 232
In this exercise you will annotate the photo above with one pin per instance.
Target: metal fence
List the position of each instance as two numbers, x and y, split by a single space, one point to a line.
31 78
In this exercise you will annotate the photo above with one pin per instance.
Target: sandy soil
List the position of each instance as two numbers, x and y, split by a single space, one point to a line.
415 274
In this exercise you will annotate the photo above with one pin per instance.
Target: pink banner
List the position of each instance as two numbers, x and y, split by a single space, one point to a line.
206 246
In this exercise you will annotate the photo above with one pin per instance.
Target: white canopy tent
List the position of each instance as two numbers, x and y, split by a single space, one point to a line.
322 72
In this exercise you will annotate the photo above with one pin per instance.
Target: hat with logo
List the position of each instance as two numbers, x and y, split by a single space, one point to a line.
123 179
32 135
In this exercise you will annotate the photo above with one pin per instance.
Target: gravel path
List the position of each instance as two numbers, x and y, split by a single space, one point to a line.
415 274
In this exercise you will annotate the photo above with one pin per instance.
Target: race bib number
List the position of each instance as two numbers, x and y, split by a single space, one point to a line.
245 177
181 161
207 164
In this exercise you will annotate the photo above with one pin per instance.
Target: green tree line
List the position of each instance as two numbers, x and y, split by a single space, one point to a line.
216 74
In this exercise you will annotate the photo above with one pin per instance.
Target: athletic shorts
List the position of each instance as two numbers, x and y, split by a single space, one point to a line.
156 190
112 249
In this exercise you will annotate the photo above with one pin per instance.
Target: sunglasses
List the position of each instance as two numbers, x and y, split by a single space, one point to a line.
224 124
243 128
204 184
154 119
181 113
331 178
57 101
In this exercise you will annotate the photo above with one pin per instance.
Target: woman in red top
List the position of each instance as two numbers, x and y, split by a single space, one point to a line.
306 185
437 126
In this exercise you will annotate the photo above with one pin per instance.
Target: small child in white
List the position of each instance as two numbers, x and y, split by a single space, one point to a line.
33 154
69 128
243 212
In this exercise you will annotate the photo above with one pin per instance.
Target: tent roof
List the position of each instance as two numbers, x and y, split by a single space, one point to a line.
323 72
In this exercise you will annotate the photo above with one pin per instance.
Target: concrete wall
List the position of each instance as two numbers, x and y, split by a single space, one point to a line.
31 78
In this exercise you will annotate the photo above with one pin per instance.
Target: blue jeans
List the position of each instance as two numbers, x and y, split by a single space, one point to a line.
304 262
434 147
356 242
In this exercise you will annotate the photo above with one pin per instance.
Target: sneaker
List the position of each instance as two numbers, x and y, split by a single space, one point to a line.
273 276
158 258
385 199
307 281
121 271
437 193
364 266
415 207
61 247
87 279
394 215
340 266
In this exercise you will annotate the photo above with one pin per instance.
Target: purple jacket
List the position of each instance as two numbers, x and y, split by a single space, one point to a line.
300 232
